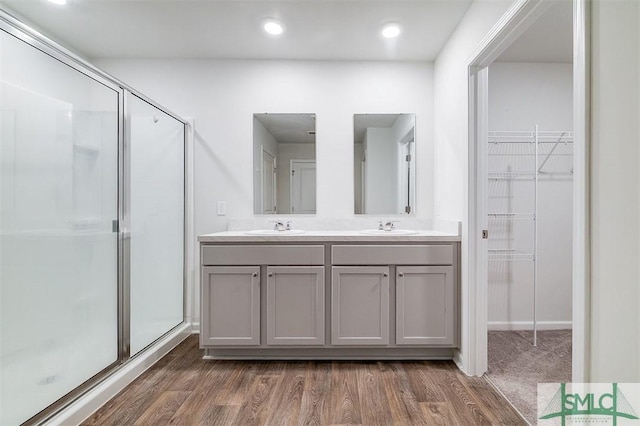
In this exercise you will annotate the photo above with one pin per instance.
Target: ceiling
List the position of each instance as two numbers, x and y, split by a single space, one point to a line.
363 121
289 128
315 29
294 128
549 39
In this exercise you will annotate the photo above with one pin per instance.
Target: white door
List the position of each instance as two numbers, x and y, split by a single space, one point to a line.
268 183
303 186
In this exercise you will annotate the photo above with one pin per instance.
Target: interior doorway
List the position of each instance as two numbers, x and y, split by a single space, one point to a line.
269 170
529 157
527 181
303 186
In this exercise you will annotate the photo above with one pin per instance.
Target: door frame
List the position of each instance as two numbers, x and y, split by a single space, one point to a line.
408 141
263 149
473 359
291 162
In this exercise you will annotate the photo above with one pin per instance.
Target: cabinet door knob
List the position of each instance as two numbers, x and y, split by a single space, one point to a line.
255 274
271 274
385 275
401 274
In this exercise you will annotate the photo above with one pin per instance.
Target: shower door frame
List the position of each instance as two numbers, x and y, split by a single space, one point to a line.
24 33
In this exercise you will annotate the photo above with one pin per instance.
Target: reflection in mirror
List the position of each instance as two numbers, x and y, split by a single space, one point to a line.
384 172
284 163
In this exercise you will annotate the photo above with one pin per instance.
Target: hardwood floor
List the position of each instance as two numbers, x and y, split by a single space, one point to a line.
183 389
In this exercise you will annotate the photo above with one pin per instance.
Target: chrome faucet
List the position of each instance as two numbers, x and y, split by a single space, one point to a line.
388 226
279 225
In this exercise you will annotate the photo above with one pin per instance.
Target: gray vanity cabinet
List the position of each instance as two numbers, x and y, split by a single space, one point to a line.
360 305
329 299
230 306
425 305
283 305
295 305
421 296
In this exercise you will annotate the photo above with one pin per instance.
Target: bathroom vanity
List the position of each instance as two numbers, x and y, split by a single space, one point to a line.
329 295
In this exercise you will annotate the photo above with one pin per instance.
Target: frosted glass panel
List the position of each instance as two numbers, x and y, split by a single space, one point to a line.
157 223
58 254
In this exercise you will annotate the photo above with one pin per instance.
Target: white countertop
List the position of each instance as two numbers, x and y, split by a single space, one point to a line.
326 237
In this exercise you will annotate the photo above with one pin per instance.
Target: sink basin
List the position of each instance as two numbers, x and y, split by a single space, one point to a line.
392 232
275 232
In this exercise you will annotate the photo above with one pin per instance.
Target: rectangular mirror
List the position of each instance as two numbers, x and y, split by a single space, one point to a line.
284 163
384 159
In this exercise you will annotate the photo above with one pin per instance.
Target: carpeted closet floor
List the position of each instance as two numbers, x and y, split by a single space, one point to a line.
516 366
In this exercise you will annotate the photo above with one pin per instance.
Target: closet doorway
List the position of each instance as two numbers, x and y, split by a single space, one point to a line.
524 180
529 210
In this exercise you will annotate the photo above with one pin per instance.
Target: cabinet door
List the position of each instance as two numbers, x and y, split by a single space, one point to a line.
295 305
425 305
230 306
360 305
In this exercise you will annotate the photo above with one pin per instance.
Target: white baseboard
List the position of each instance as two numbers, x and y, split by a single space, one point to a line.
458 360
528 325
90 402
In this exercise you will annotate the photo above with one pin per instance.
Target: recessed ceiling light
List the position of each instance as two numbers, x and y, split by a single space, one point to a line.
391 30
273 26
60 2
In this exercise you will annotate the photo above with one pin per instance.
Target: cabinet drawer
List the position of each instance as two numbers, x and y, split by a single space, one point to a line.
440 254
261 255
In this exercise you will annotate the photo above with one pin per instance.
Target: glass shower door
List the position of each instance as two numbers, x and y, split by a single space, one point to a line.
156 222
58 249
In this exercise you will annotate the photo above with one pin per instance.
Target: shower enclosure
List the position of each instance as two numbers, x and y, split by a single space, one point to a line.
92 184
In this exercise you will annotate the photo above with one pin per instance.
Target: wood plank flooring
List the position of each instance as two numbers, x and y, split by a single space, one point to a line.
184 389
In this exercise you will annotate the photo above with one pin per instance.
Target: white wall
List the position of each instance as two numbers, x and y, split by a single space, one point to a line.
450 137
451 105
381 174
522 95
222 96
615 192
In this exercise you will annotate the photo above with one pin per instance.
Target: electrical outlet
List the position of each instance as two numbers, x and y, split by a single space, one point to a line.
222 208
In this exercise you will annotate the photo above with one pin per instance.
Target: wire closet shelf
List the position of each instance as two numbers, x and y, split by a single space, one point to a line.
513 157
